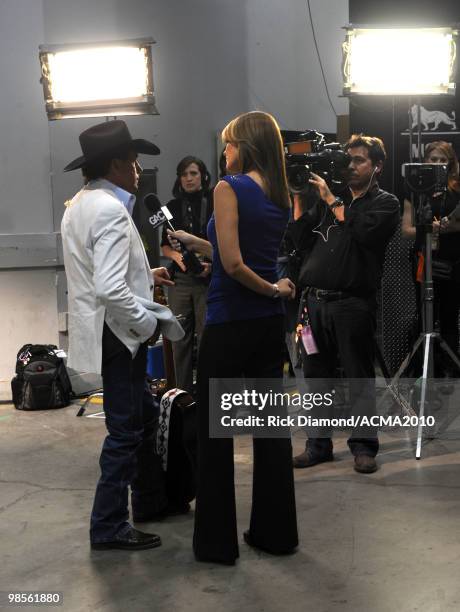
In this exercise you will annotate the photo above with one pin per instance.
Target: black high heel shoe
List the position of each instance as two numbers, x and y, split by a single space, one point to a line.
250 542
219 561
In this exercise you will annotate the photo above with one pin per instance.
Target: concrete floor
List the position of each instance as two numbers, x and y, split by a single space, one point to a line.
369 543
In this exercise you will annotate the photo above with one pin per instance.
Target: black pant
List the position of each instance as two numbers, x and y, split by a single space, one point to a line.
254 349
344 333
128 455
446 311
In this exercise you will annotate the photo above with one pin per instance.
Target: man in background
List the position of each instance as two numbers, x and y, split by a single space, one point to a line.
341 273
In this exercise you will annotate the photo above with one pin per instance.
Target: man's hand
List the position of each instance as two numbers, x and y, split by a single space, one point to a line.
324 192
327 196
161 277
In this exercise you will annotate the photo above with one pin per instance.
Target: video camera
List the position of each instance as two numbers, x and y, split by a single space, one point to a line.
311 153
426 178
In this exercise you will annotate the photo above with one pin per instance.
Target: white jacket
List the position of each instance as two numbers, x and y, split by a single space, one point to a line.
108 277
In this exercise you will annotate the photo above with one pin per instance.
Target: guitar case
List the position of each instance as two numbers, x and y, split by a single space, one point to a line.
176 445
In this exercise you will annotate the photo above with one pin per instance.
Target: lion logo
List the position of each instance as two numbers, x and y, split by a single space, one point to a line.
432 117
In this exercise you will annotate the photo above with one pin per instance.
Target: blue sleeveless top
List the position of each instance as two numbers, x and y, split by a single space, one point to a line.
261 226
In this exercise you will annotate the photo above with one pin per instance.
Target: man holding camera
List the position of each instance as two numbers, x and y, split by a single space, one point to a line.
345 240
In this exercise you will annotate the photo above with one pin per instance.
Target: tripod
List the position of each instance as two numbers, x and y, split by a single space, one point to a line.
428 337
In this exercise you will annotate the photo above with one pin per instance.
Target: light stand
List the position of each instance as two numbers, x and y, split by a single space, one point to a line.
428 336
432 74
419 130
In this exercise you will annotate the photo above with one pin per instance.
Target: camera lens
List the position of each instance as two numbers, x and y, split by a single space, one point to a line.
298 177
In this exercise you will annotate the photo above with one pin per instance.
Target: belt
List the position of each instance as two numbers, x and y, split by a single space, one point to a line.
328 295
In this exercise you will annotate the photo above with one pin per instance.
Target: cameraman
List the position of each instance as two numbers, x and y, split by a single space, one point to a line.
340 275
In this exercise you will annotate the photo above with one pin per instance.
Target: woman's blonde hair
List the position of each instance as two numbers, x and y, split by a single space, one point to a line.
260 147
452 166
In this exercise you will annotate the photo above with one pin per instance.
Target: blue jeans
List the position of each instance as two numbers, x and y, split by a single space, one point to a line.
128 454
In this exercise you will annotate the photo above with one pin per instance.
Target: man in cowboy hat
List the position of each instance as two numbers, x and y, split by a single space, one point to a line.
111 318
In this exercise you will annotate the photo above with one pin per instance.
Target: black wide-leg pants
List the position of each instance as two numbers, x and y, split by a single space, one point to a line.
253 349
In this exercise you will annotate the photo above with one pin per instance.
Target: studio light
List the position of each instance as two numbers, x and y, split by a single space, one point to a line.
401 61
98 79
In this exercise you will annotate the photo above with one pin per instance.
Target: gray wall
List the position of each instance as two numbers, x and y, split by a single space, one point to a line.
284 75
24 142
213 59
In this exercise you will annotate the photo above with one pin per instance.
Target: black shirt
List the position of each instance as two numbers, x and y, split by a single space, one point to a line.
187 214
347 256
449 242
191 213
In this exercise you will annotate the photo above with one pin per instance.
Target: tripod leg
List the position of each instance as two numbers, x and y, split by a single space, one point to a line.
392 385
446 348
426 362
408 359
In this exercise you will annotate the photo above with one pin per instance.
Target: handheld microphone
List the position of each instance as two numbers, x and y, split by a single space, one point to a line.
161 215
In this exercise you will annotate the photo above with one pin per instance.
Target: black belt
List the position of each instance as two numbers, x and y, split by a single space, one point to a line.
328 295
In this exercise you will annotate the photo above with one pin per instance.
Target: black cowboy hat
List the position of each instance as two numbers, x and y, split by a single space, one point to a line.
101 140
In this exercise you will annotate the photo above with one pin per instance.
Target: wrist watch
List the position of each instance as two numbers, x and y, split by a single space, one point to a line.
338 202
276 293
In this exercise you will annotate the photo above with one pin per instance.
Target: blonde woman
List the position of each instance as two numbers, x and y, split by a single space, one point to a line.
446 251
244 336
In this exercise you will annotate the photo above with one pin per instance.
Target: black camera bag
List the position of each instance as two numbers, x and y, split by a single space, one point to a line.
41 380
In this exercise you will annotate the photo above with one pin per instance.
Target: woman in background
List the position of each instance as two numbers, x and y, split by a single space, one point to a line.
446 248
191 209
244 337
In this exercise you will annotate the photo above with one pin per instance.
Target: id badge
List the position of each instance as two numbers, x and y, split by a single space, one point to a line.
308 340
305 332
